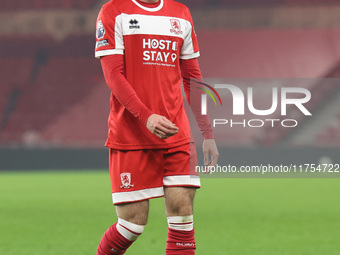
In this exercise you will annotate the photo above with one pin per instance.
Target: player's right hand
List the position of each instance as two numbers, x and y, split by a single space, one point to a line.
161 127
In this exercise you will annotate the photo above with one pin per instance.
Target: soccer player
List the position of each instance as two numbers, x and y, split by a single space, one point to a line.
146 48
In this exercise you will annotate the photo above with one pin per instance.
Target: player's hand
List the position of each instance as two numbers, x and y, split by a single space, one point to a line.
161 126
210 152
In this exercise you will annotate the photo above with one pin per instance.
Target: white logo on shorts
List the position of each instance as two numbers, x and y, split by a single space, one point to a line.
126 181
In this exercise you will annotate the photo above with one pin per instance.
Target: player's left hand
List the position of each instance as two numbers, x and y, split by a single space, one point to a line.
161 127
210 152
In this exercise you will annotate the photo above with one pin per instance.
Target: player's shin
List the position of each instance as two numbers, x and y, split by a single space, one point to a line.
181 240
119 237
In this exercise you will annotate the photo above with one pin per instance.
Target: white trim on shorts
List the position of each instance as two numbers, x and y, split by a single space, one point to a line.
144 194
136 195
182 180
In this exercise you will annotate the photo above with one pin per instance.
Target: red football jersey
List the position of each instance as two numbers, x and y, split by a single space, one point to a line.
153 39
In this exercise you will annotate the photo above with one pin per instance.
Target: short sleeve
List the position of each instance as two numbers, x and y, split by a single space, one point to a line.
190 47
109 38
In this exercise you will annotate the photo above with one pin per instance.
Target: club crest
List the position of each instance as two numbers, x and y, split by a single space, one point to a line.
126 181
176 26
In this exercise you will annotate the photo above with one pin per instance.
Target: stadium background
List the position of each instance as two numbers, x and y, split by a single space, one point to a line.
54 106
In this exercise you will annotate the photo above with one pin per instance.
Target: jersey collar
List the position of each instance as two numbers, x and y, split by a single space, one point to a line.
160 6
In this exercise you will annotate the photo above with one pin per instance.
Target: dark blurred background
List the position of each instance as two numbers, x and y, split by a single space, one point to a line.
54 102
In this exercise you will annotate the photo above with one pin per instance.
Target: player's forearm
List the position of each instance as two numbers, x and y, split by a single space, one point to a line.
191 72
113 69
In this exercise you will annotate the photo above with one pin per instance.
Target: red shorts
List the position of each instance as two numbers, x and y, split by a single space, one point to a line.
138 175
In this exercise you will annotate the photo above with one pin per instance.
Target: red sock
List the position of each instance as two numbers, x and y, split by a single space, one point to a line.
118 238
180 242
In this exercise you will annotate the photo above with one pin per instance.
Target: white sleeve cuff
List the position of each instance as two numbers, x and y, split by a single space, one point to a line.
195 55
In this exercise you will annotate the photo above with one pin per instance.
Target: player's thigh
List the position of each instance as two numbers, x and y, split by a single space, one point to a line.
136 212
179 167
136 175
179 201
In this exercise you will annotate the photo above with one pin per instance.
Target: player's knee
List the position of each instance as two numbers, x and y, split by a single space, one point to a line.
180 209
136 213
139 218
179 201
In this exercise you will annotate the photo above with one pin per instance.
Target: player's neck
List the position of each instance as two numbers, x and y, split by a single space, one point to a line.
149 1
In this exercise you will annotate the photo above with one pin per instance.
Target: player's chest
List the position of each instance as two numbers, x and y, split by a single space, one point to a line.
153 40
134 24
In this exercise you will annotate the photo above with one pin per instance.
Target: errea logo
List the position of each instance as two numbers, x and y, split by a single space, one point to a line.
134 24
